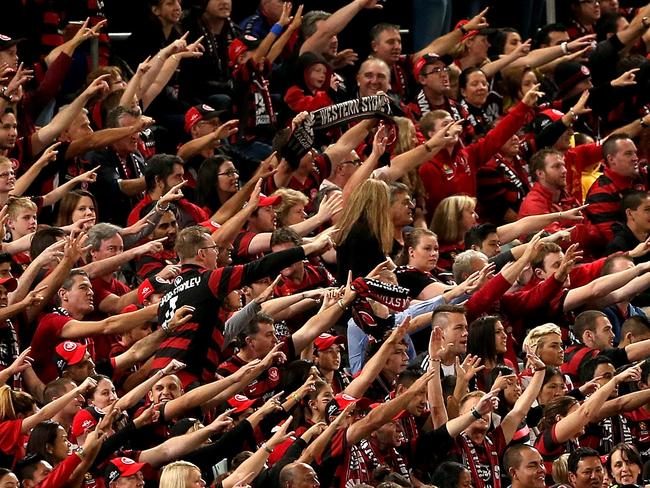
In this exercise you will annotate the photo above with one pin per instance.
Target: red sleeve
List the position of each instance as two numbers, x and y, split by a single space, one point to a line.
297 101
10 435
482 150
586 273
484 299
534 204
196 212
224 280
336 447
584 156
525 302
51 84
60 476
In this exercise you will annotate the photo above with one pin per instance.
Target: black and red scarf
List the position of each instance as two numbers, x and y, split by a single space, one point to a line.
394 297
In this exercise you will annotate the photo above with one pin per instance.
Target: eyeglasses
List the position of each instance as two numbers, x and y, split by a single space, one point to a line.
437 71
355 162
7 174
214 247
230 172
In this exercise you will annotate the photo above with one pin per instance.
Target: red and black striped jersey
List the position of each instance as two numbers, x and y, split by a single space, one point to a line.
199 342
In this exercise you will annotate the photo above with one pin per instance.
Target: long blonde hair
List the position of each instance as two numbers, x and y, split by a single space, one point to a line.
370 203
406 140
175 474
447 219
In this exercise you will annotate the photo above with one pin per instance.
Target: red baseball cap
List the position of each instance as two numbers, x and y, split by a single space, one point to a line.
211 225
342 400
269 201
85 420
241 403
150 286
470 33
429 58
9 283
240 45
68 353
122 466
201 112
324 341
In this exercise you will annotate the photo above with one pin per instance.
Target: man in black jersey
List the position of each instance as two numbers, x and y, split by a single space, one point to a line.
202 285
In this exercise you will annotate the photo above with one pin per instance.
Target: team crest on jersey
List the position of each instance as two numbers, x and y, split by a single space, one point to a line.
274 374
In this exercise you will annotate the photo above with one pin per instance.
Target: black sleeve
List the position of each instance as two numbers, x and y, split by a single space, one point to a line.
414 281
501 259
227 446
112 444
271 477
271 264
618 357
438 440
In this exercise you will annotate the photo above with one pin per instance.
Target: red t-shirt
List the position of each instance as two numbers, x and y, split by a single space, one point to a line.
103 289
46 337
12 442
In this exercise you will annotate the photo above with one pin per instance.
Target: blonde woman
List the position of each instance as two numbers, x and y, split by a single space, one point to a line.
406 140
365 234
291 207
181 474
455 215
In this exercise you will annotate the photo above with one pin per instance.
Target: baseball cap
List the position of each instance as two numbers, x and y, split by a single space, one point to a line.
324 341
269 201
211 225
399 415
9 283
121 466
429 58
546 118
342 400
85 420
68 353
151 286
201 112
6 42
241 403
240 45
568 74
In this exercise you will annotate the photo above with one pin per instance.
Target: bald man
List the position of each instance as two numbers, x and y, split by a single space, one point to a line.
525 466
298 475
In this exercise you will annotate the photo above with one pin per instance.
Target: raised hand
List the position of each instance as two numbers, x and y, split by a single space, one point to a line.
470 366
532 96
182 316
173 367
380 141
285 16
48 155
479 21
268 291
227 129
174 194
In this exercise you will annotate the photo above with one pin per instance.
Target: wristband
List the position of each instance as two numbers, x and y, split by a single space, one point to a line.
340 304
574 115
277 29
645 22
161 209
643 123
475 413
541 368
565 47
462 30
267 448
80 452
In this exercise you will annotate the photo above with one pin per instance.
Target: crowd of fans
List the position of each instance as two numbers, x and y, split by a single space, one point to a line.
237 253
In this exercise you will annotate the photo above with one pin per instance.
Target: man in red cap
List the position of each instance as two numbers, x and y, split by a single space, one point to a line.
124 472
432 73
327 358
73 361
386 44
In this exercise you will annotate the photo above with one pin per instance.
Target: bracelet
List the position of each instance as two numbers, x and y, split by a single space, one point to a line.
559 215
643 123
462 30
573 114
475 413
645 22
173 56
541 368
340 303
429 149
161 209
80 452
267 448
565 47
277 29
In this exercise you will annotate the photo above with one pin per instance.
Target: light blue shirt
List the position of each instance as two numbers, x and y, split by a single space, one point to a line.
358 339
